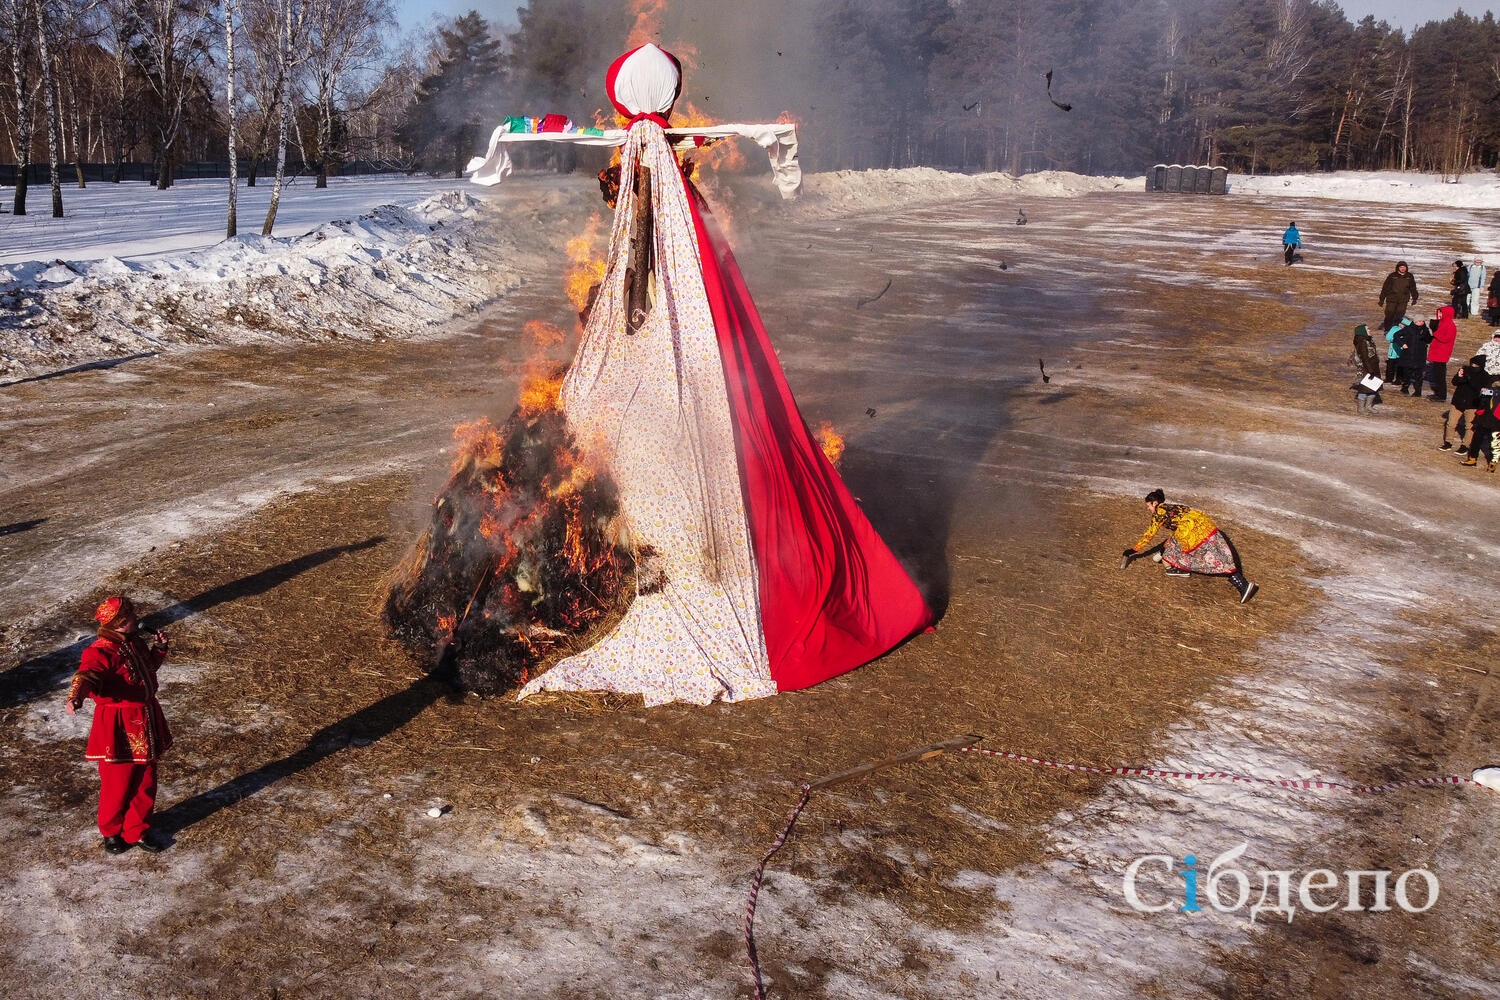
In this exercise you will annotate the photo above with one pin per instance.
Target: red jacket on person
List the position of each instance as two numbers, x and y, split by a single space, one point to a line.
129 726
1443 337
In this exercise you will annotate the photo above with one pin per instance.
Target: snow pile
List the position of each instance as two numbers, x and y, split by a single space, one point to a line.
132 219
1478 190
384 273
847 191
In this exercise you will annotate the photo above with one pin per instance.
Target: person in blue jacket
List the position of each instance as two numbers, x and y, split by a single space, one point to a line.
1291 241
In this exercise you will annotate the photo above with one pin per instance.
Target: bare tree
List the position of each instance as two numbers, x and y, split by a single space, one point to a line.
173 44
343 36
49 89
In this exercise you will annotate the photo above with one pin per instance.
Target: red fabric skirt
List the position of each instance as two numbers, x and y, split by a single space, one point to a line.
833 596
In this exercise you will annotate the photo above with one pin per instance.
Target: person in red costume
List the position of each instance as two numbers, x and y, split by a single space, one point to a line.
129 734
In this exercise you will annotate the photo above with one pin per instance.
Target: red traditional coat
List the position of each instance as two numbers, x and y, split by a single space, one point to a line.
129 727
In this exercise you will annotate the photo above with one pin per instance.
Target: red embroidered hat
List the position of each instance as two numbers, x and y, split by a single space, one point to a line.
108 611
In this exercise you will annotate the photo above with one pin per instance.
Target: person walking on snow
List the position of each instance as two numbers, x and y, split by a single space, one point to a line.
1196 545
1398 292
129 733
1460 285
1476 288
1291 241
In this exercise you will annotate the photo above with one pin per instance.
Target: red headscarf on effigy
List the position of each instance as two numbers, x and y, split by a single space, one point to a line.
639 82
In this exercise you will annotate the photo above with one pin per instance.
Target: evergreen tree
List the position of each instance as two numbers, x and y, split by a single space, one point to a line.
442 126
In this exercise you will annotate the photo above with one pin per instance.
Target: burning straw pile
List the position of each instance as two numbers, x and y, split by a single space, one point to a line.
521 562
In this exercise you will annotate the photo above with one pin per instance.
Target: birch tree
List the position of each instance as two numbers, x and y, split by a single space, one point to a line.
234 164
291 17
42 15
19 19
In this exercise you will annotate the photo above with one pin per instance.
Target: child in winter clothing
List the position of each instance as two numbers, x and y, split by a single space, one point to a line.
129 734
1395 335
1486 430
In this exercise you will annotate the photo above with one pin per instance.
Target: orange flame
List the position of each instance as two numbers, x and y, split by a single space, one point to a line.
722 155
543 335
585 267
539 391
475 440
831 441
446 623
647 27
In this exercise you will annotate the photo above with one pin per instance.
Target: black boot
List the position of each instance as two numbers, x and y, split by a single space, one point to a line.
1245 587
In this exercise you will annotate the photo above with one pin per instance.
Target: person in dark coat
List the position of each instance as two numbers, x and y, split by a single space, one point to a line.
1398 292
1411 341
1366 363
1468 382
1494 300
1460 285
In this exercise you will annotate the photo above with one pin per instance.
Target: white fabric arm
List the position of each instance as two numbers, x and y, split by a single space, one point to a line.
779 140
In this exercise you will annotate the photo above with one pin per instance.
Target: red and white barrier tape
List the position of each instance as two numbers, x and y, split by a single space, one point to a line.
760 871
1123 772
1146 772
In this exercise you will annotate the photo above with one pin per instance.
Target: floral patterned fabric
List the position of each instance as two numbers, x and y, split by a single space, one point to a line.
1213 555
653 407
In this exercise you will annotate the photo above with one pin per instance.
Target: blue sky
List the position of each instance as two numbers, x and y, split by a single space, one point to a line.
1406 14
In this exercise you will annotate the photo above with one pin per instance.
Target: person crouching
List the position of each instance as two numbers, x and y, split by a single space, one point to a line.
129 733
1196 544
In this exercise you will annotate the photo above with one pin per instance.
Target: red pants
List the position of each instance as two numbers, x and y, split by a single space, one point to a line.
126 794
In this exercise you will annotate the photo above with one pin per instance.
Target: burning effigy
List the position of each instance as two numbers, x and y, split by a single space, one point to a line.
670 522
523 554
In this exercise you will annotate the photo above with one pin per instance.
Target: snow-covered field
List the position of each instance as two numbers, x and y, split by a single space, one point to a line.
132 270
132 219
1391 187
363 268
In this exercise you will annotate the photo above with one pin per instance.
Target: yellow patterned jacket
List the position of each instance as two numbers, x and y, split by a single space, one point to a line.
1191 527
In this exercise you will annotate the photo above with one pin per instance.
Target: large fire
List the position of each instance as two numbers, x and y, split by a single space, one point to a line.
520 561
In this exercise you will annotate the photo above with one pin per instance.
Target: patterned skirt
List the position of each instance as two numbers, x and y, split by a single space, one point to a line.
1213 556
